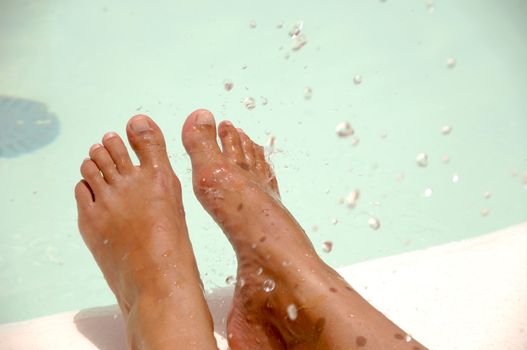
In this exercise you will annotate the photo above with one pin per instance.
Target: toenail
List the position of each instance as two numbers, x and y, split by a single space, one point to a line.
140 124
228 123
94 147
204 118
109 135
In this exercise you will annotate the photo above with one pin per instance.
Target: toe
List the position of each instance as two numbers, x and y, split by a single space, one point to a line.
101 157
115 146
91 173
260 162
199 137
83 195
231 143
147 142
248 149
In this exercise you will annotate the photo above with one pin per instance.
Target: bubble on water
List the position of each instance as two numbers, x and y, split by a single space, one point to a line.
308 93
357 79
252 24
355 141
249 103
296 29
228 85
292 312
422 159
446 129
487 195
484 211
327 246
105 242
263 100
299 42
230 280
455 178
280 25
352 198
451 62
268 285
334 221
344 129
374 223
408 338
445 159
428 192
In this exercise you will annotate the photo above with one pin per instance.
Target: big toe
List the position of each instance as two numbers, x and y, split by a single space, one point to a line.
199 137
147 141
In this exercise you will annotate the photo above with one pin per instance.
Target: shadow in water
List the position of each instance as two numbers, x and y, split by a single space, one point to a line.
103 326
25 126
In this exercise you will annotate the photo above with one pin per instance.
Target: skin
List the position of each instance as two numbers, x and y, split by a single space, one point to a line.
286 297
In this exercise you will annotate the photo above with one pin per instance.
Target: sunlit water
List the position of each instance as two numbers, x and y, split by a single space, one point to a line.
434 92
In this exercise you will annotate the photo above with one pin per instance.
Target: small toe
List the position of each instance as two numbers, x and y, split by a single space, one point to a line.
83 194
115 146
91 173
248 149
199 137
231 143
147 142
105 163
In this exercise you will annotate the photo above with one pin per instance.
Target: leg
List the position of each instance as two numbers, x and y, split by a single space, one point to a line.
286 297
132 220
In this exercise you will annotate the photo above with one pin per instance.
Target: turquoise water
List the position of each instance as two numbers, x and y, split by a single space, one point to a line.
94 64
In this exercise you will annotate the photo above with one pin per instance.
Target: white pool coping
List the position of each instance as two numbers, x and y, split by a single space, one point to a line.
464 295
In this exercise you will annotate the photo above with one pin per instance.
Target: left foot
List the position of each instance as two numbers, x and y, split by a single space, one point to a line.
132 220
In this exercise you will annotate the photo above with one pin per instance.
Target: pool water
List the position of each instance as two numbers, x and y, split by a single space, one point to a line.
402 73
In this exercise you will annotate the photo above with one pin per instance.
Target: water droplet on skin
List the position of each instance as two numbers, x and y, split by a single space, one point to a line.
268 285
408 338
327 246
249 103
428 192
374 223
451 63
292 312
296 29
228 85
352 198
308 93
230 280
422 159
286 263
105 242
252 24
487 195
241 282
455 178
357 79
445 130
259 271
485 211
230 335
344 129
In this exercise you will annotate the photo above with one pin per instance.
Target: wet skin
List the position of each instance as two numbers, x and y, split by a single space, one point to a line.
132 220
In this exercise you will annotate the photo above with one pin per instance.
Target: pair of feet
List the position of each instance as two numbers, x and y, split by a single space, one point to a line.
132 220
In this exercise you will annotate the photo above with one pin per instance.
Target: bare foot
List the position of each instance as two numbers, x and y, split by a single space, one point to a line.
285 296
132 220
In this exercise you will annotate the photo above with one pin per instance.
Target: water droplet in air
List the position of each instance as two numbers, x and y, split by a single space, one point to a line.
335 221
428 192
430 5
314 228
355 141
327 246
422 159
446 129
280 25
351 199
357 79
228 85
445 159
451 63
374 223
487 195
230 280
292 312
485 211
252 24
269 285
299 42
455 178
344 129
308 93
263 100
296 30
249 103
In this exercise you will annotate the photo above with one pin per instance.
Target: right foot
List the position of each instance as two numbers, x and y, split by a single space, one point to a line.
285 296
